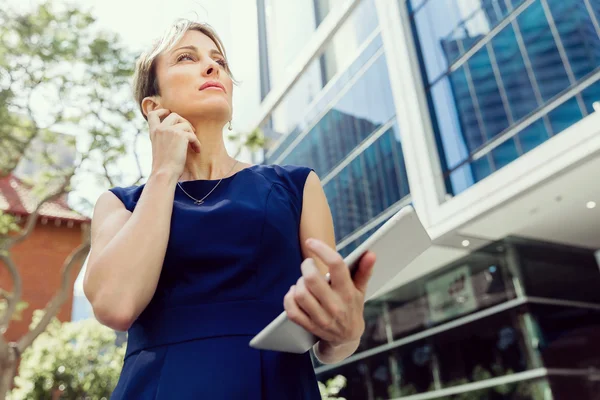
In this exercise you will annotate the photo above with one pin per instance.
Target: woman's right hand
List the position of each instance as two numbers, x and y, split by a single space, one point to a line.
171 136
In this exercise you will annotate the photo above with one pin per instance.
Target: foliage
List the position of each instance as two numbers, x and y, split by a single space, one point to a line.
253 141
331 389
21 305
65 97
79 359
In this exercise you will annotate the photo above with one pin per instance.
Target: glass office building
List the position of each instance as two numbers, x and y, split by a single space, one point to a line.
503 76
481 114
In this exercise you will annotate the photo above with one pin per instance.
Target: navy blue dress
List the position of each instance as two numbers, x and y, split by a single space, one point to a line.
228 265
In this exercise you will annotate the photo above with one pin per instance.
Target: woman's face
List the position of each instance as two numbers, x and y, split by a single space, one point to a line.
193 80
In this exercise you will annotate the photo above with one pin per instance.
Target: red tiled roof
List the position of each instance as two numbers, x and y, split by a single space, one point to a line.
16 198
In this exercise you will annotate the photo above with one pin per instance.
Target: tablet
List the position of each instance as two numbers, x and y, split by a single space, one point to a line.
396 244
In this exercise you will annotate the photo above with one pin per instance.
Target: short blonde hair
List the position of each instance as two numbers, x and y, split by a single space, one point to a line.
145 82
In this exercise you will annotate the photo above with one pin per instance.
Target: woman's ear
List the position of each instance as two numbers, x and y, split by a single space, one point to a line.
150 104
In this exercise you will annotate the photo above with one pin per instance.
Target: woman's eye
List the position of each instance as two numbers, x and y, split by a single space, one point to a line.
223 63
184 56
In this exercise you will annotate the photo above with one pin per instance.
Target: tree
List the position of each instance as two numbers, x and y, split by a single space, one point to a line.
64 89
332 388
253 141
78 360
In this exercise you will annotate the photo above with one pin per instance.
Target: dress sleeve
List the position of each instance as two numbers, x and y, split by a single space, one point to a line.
296 177
129 196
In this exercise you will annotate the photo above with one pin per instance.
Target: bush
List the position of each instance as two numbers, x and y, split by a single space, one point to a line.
70 360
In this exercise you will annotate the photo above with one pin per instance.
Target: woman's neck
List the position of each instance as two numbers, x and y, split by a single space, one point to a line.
213 161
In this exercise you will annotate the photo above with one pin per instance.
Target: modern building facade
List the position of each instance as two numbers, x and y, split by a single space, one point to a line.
481 114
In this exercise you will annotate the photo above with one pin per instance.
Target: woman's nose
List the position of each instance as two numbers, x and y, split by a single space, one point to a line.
211 69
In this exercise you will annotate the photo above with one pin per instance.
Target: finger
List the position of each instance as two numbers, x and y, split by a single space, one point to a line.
155 116
184 126
294 313
318 285
192 139
338 270
364 271
194 142
311 307
174 119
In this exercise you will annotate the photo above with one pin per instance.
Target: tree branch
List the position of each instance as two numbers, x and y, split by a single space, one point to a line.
72 263
17 291
137 157
107 175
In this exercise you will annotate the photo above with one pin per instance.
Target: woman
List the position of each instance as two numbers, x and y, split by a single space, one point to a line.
207 252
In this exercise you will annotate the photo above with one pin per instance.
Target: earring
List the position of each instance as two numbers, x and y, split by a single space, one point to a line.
230 127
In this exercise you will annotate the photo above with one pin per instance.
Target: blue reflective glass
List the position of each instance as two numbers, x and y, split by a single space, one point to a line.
462 178
578 35
366 106
494 9
414 4
564 115
525 65
467 107
372 182
544 56
298 108
595 5
504 154
486 89
446 29
435 22
590 95
482 168
515 78
448 125
532 136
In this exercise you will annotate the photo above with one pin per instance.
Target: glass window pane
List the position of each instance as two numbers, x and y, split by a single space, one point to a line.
288 30
481 350
454 146
543 54
578 35
375 328
518 87
568 336
574 387
414 369
299 106
462 178
538 389
482 168
434 22
467 107
431 300
564 115
591 95
505 153
358 196
486 90
532 136
546 268
366 106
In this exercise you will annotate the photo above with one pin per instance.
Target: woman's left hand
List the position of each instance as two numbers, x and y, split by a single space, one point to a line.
332 311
